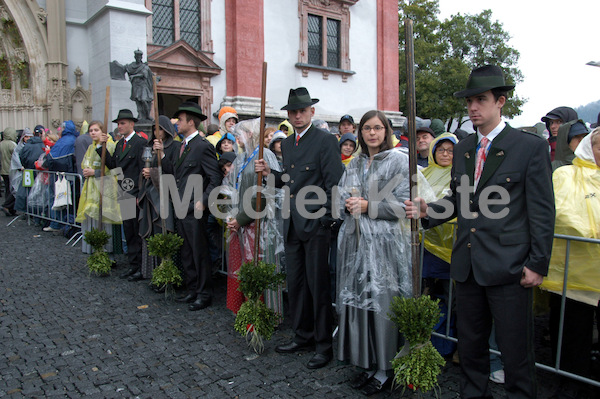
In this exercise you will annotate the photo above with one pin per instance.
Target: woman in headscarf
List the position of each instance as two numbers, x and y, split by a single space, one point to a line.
88 212
438 241
149 195
242 227
374 256
576 193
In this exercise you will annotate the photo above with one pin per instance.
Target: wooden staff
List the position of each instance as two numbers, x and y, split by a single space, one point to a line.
103 157
412 152
261 145
159 157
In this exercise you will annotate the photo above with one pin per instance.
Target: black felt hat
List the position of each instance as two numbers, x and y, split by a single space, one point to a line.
482 79
298 99
190 108
125 114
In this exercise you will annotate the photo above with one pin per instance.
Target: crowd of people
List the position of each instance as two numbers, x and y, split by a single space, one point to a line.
335 218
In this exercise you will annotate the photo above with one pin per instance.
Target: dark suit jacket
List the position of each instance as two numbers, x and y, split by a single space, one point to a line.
199 158
496 249
129 160
315 161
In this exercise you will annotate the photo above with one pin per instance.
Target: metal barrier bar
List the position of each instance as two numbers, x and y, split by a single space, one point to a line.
44 210
556 368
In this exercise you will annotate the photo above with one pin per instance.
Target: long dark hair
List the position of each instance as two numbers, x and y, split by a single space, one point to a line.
387 141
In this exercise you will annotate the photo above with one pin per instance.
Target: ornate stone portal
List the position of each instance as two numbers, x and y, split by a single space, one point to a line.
34 88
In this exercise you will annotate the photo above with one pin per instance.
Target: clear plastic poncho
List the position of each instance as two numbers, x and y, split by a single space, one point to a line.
374 257
440 239
241 178
90 193
576 192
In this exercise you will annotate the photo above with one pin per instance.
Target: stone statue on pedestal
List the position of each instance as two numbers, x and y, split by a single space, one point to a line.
142 86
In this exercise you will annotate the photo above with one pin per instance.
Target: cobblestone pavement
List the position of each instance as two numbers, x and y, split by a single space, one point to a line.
66 334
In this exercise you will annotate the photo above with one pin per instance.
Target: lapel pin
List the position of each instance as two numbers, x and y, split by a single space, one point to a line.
500 154
467 155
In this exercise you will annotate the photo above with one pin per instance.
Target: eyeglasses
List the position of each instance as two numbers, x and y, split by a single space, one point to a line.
367 129
441 150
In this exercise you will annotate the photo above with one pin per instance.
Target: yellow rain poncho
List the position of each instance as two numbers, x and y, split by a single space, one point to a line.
439 240
88 202
577 193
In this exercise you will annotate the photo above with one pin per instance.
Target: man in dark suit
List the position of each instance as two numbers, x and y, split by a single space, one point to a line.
197 157
128 157
311 157
501 193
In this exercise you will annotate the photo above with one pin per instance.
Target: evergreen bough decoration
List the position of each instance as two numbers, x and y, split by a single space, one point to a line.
98 262
254 320
165 246
418 365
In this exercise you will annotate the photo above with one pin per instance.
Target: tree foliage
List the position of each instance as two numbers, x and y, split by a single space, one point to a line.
446 51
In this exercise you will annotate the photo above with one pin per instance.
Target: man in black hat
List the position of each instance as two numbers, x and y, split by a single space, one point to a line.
425 136
311 157
128 157
501 193
196 157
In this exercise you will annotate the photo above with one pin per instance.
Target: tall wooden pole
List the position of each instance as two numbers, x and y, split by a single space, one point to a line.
159 157
261 145
103 157
412 152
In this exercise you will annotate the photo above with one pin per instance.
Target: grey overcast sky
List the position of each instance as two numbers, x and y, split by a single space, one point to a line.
555 39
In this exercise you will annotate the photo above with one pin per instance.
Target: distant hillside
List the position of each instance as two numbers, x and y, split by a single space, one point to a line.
589 112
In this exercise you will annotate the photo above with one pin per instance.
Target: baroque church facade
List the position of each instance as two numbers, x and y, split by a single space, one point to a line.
55 56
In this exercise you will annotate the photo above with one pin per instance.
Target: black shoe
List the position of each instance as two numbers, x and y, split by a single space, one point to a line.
137 276
128 273
189 298
375 386
293 347
199 304
113 264
360 380
319 360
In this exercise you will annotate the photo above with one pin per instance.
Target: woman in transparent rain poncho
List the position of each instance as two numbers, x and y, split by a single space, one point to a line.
88 210
374 257
241 242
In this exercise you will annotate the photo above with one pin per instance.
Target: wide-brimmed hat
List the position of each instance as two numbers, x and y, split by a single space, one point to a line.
482 79
298 99
190 108
125 114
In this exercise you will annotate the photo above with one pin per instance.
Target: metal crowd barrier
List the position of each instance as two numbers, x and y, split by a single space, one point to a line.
44 211
556 368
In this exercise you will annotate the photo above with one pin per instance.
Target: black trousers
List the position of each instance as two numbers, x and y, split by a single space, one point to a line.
9 201
195 258
309 287
131 228
577 337
510 307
